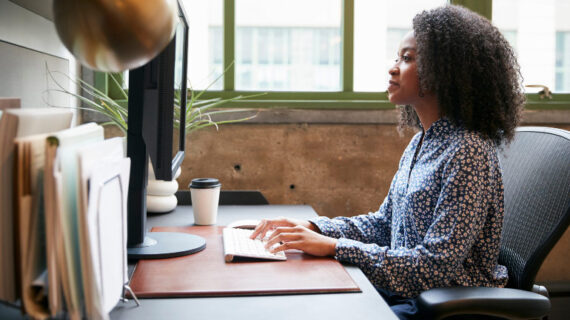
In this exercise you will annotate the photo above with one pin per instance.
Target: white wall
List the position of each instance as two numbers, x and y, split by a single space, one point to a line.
27 43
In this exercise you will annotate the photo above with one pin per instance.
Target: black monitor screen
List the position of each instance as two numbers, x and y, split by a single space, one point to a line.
165 87
153 91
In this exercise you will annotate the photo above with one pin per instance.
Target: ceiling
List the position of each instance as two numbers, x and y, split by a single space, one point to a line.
40 7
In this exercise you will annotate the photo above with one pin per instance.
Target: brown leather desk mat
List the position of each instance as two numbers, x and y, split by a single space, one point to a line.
207 274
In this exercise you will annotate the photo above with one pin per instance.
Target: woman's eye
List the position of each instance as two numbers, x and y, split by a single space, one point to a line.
403 58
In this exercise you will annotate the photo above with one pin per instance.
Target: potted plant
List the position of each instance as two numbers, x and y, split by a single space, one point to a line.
199 115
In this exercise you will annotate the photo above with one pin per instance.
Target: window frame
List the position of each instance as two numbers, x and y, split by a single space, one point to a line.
335 100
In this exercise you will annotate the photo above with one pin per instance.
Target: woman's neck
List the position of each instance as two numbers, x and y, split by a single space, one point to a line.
428 111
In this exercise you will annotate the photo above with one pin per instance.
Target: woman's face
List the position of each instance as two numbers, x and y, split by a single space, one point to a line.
404 86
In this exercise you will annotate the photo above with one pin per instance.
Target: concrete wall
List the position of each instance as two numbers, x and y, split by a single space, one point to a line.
337 169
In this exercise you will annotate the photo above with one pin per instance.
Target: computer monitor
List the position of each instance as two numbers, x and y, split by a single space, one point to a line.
150 133
166 88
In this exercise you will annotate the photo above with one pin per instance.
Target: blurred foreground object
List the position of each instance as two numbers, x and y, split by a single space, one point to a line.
113 36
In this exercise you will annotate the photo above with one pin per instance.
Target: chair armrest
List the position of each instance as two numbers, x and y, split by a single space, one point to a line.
501 302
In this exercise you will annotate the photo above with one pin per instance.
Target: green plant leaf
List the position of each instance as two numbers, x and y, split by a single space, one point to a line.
198 112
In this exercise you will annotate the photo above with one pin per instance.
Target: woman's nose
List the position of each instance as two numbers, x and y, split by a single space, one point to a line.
393 71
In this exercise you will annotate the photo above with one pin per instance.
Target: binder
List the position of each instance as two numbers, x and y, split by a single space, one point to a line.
30 224
9 103
18 123
68 219
61 203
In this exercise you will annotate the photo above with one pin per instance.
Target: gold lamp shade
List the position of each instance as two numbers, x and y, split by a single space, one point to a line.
115 35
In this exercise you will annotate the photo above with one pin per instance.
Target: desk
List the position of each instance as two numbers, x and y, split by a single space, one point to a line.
366 305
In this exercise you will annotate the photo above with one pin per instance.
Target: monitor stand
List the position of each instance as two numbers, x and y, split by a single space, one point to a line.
158 245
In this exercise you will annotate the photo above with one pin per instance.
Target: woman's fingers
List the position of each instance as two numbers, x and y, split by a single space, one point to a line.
259 229
287 246
262 228
267 225
283 234
301 238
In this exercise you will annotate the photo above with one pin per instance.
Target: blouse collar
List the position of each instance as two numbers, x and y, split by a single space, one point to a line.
442 127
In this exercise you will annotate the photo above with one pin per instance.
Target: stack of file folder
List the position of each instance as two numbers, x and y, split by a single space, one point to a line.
61 190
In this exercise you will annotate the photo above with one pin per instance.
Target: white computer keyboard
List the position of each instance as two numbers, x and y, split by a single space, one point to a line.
238 244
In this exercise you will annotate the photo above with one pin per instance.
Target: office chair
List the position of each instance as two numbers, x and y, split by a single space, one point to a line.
536 177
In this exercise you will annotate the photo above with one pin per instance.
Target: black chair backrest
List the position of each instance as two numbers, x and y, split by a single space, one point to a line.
536 176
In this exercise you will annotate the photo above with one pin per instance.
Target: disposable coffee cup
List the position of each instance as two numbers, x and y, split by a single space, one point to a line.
205 193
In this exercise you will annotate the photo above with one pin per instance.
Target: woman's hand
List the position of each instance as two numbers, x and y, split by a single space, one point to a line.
294 234
301 238
267 225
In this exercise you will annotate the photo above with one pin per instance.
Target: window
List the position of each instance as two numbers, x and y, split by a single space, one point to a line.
294 49
511 36
538 31
562 61
378 28
205 43
336 53
245 50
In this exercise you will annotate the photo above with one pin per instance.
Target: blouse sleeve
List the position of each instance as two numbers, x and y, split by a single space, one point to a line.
458 218
373 227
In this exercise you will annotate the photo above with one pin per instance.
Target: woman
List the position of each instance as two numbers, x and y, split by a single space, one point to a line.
440 224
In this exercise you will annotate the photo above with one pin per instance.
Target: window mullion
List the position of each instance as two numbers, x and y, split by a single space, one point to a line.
348 46
229 44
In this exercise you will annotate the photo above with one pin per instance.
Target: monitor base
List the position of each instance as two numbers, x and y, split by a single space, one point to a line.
158 245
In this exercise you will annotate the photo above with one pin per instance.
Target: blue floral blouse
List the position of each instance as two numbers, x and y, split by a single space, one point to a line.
440 224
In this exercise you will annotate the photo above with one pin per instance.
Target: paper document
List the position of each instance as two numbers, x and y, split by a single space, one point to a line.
107 222
104 177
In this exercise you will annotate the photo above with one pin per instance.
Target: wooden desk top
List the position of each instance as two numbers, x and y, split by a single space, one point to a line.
365 305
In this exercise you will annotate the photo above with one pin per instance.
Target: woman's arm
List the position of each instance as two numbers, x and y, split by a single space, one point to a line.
372 227
318 236
369 228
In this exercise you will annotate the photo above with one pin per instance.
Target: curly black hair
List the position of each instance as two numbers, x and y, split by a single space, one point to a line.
471 67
